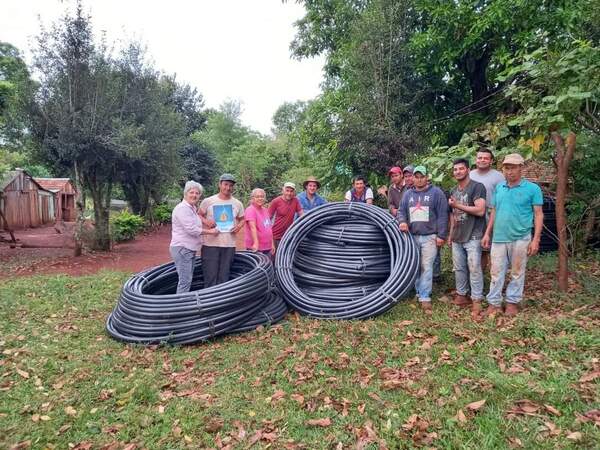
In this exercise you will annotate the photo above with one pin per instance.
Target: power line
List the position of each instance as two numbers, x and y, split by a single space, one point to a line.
450 116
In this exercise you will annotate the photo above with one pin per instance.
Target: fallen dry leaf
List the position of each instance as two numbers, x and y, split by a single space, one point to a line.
592 415
278 395
591 376
214 425
575 436
23 373
552 410
21 445
460 416
298 398
476 406
70 411
515 442
319 422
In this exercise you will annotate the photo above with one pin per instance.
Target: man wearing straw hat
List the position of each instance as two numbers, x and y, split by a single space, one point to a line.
309 199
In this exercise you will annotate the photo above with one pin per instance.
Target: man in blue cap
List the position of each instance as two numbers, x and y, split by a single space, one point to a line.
424 212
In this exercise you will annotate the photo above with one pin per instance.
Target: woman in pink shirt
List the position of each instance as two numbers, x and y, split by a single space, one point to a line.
258 231
186 234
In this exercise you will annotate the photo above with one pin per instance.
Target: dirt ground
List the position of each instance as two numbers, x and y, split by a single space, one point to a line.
146 250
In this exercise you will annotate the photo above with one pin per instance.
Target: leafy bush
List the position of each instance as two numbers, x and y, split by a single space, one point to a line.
162 213
125 225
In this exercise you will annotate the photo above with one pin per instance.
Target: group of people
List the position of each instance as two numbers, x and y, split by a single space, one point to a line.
486 219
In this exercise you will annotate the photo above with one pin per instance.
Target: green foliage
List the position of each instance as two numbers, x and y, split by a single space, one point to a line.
556 90
162 213
107 120
199 163
255 160
10 160
125 225
16 93
405 76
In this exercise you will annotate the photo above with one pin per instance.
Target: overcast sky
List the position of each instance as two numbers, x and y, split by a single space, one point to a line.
236 49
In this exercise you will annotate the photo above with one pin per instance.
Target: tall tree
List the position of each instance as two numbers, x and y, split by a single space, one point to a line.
149 130
558 95
16 93
77 102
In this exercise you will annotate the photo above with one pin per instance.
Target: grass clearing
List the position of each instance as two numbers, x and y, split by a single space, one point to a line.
397 381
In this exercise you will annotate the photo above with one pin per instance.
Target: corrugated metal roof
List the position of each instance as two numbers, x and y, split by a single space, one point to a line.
10 176
52 184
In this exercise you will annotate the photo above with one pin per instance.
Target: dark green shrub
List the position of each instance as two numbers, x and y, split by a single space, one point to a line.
125 225
162 213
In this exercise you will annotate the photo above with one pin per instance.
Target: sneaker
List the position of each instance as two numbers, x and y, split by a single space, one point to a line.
476 310
512 309
426 307
462 301
492 311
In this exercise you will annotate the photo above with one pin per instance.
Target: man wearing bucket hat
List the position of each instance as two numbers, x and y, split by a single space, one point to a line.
424 212
226 213
309 198
282 211
516 207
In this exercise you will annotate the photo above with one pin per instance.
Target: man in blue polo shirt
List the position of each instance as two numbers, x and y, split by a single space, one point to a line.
309 198
516 207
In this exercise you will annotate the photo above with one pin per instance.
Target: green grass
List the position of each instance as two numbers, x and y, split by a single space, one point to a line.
64 382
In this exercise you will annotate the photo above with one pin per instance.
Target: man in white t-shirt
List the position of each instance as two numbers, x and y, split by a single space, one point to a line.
360 192
227 214
490 178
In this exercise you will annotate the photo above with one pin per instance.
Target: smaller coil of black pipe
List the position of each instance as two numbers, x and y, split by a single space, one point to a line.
148 311
345 261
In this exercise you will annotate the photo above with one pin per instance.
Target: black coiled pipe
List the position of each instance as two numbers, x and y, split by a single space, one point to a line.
148 312
337 234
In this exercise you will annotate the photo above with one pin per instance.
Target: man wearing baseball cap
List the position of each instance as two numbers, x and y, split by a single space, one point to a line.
516 207
396 189
282 211
227 214
408 176
309 199
424 212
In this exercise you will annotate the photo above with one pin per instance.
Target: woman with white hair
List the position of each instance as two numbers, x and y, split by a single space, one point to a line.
186 234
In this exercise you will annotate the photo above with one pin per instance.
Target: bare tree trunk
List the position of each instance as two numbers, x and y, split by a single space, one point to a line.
7 228
100 194
564 154
80 208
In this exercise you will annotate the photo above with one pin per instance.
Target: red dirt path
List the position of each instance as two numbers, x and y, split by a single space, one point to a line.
145 251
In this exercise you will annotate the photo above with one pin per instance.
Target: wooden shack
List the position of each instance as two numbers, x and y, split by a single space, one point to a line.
23 202
64 197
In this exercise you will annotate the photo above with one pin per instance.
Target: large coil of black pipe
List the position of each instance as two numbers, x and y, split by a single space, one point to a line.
149 311
345 261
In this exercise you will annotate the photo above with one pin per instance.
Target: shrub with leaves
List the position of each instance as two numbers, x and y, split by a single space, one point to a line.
125 225
162 213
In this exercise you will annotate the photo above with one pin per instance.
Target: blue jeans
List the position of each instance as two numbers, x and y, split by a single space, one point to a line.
466 262
503 255
184 264
428 250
